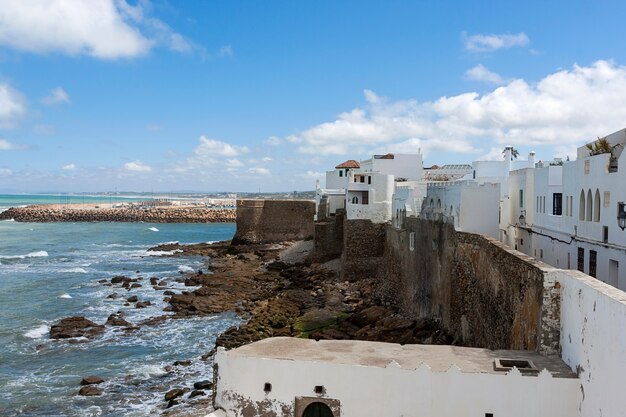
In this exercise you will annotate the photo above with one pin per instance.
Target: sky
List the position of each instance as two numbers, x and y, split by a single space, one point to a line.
224 95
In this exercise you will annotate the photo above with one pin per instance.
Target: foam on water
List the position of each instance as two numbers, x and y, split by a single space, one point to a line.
37 332
38 254
154 229
185 268
66 296
76 270
7 220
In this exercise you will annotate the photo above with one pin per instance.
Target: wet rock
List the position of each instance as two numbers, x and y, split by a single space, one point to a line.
118 279
369 315
175 393
182 363
142 304
154 321
172 403
206 384
117 319
89 391
135 285
154 281
113 296
75 327
91 380
196 393
132 299
103 281
162 283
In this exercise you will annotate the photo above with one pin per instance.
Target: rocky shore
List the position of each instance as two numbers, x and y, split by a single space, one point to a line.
152 215
276 290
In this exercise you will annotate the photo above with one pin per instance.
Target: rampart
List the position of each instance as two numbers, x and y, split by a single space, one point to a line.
269 221
485 293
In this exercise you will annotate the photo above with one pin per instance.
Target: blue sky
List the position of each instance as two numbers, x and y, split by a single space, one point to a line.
245 95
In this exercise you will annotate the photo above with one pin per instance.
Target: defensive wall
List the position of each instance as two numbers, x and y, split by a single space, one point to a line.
270 221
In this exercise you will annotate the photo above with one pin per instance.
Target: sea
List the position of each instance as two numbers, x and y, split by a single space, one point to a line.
49 271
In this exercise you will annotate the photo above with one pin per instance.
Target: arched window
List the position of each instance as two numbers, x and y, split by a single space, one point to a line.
317 409
450 210
581 206
355 200
589 206
438 203
596 206
432 203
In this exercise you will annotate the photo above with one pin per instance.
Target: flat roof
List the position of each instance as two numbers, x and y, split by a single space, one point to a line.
357 352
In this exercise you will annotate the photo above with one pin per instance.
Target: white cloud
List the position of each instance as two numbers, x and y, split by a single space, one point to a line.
565 108
106 29
12 105
233 163
266 159
56 96
69 167
488 43
137 166
225 50
273 141
5 145
259 171
482 73
215 148
5 172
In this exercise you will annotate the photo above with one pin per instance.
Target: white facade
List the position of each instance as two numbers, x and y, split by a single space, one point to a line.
570 213
370 379
366 190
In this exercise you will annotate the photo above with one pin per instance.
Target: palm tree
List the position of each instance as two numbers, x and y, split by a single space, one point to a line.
514 153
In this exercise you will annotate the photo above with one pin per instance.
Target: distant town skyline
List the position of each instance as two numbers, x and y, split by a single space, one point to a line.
164 95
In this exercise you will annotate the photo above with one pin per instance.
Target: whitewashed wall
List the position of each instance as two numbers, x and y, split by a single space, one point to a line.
593 341
370 391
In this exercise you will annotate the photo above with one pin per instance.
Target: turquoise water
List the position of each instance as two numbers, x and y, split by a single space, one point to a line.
51 270
17 200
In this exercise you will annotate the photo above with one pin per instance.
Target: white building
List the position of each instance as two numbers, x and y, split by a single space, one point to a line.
571 214
366 189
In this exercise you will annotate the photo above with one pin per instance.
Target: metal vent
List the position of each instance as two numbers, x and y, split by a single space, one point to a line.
523 365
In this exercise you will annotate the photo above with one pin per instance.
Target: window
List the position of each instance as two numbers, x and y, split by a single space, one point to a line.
581 259
607 198
355 200
362 179
557 204
589 206
340 173
605 234
369 179
537 205
521 198
586 167
541 253
596 207
581 206
412 241
593 260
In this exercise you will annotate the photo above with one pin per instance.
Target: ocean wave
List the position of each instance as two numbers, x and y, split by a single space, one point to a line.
185 268
7 220
161 252
76 270
173 242
37 332
65 295
38 254
154 229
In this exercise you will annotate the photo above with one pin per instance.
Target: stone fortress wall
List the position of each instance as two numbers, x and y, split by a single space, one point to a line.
271 221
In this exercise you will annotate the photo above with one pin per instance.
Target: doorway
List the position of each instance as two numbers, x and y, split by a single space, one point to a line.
613 272
317 409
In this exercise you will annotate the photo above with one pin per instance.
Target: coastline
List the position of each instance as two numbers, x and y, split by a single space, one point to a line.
93 213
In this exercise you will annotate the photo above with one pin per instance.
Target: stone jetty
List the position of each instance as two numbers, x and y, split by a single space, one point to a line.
150 215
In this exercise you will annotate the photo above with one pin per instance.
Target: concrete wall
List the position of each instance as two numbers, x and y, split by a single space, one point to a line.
375 391
593 341
485 293
269 221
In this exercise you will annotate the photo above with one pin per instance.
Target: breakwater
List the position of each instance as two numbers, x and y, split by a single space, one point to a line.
42 214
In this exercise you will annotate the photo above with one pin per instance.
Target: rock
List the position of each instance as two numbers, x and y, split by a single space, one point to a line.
113 296
162 283
206 384
91 380
142 304
135 285
117 319
369 315
153 281
172 403
132 299
196 393
103 281
175 393
314 319
118 279
75 327
89 391
182 363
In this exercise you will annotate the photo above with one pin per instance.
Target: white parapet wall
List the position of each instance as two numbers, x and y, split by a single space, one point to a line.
280 376
593 341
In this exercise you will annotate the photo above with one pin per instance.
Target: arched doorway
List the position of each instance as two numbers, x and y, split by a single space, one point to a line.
317 409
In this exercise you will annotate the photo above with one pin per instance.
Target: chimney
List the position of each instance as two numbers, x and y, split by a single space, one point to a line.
508 154
531 159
